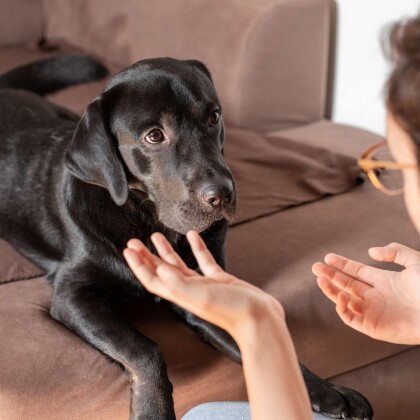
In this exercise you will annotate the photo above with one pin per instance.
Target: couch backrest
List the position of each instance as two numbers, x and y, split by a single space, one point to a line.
268 58
20 21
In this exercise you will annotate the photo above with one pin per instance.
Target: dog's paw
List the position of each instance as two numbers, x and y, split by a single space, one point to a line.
340 403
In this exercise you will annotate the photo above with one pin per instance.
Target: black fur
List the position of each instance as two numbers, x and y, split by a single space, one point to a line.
53 74
73 194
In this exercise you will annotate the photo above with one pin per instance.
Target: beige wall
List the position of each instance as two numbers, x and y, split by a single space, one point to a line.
361 68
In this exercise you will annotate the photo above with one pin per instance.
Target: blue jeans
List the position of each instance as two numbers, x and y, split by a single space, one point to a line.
227 411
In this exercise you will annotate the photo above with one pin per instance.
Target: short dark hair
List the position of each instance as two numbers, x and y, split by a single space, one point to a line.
403 88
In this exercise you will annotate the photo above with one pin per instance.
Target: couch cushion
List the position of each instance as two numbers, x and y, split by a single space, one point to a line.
15 267
392 385
273 174
49 373
273 252
257 89
276 253
339 138
20 21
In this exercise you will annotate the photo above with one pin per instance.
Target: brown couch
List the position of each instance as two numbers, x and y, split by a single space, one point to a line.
270 61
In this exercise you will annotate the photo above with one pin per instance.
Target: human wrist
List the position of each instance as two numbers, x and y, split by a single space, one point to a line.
260 324
267 349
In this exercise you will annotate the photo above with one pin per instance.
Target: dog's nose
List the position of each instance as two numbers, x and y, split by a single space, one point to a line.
216 196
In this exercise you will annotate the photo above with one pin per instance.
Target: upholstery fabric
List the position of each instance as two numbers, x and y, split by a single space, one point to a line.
276 253
280 263
271 75
49 373
392 385
20 21
15 267
339 138
273 174
257 89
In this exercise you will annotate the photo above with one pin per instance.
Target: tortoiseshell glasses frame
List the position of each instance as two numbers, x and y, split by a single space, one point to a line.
371 165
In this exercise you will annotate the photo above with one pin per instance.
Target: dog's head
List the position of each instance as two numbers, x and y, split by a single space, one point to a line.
157 131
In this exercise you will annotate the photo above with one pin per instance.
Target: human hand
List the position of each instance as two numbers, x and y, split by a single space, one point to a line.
216 296
379 303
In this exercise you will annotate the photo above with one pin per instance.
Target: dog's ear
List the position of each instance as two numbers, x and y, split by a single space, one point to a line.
92 155
200 66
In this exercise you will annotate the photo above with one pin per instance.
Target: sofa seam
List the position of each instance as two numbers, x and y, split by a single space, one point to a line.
328 378
16 279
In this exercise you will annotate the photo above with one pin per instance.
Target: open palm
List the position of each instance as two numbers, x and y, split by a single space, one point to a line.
382 304
216 296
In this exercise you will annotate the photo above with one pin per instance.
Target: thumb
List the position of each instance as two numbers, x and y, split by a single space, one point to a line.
396 253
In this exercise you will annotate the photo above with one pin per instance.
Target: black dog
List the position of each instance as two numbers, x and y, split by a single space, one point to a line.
146 156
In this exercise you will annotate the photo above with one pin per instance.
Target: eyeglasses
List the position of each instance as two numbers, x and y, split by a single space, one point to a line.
384 173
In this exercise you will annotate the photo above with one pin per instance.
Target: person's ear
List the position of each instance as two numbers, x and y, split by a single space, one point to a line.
93 157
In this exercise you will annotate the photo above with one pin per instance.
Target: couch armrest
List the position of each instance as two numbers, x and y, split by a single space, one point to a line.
268 58
20 21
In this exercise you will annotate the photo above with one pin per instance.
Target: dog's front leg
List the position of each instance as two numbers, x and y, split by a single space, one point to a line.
209 333
90 313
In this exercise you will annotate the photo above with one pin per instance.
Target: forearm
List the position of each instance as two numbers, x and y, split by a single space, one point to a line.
272 373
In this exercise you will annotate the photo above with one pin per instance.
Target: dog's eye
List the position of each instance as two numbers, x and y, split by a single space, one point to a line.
155 136
214 118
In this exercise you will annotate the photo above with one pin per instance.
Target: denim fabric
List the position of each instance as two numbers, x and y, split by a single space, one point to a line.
227 411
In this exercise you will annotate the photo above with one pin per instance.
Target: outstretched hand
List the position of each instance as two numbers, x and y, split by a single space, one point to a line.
215 296
379 303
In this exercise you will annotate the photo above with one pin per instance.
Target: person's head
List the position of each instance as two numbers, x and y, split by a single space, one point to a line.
403 102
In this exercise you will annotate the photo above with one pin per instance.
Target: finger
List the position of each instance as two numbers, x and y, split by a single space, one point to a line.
396 253
347 315
343 281
316 268
354 269
321 269
190 293
165 282
356 304
168 254
332 292
328 288
169 283
171 276
139 247
144 273
135 244
203 256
